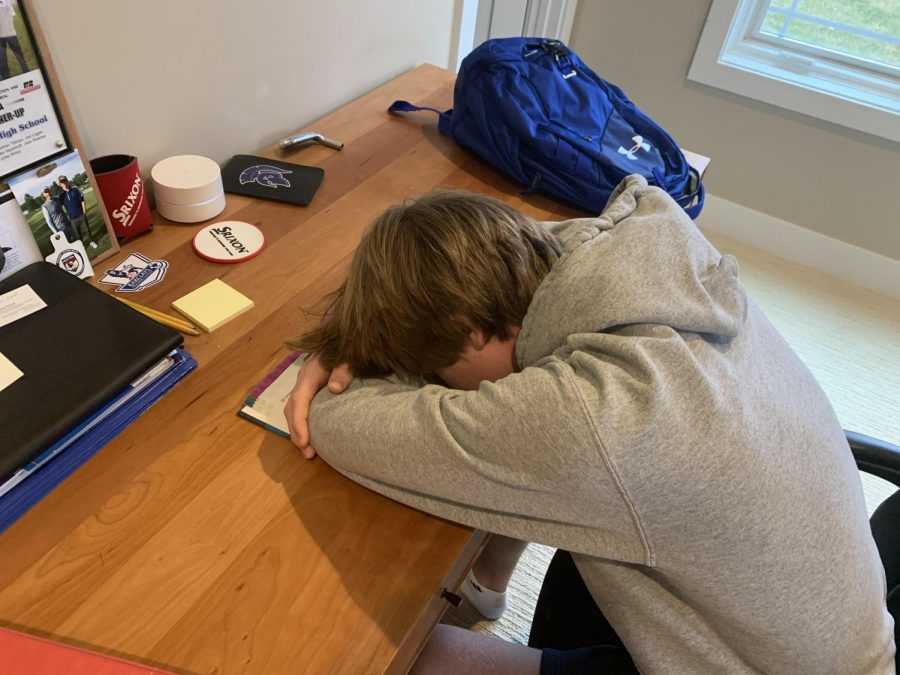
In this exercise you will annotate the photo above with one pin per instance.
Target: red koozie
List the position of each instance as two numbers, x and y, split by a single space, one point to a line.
122 188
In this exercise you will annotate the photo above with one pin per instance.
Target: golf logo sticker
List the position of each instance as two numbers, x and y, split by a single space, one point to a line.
135 273
265 174
229 241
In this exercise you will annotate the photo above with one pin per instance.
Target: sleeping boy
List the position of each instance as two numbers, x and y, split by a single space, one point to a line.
604 386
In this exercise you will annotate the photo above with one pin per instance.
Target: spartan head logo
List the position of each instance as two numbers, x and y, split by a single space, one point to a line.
270 176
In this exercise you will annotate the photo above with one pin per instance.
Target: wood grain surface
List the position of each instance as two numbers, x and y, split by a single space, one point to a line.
197 541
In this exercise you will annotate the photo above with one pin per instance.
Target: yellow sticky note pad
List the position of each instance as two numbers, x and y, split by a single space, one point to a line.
213 305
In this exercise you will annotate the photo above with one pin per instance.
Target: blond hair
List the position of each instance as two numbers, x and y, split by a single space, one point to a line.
426 273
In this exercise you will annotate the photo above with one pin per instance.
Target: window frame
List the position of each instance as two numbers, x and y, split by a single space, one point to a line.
732 57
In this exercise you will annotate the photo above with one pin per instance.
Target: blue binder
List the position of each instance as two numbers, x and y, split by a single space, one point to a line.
66 455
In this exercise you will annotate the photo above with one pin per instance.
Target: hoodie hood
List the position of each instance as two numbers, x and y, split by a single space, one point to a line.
642 261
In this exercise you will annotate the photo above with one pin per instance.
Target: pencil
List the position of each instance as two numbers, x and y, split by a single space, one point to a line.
165 319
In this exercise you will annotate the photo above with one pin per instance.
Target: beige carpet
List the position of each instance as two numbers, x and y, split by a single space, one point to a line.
848 336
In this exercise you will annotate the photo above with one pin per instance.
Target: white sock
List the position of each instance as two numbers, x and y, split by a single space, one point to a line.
490 604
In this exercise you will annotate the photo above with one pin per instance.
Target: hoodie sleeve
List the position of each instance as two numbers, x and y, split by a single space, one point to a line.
518 457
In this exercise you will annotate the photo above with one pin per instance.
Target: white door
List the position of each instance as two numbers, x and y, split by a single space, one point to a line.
480 20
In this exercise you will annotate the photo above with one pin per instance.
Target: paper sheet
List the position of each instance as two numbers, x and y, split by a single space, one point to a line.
8 372
18 303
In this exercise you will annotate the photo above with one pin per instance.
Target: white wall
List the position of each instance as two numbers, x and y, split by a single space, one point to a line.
221 77
823 177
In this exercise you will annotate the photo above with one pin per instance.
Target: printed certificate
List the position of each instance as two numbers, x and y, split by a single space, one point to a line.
29 129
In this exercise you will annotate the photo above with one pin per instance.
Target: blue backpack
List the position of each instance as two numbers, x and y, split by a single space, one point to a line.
534 110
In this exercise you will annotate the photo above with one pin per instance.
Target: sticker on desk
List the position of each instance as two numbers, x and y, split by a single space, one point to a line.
135 273
18 303
8 372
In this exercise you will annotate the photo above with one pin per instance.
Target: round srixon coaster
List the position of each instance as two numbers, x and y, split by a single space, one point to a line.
229 241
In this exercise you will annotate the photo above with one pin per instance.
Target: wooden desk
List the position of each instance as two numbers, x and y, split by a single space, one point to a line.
200 543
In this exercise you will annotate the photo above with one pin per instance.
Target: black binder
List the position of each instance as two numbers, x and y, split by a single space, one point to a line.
75 354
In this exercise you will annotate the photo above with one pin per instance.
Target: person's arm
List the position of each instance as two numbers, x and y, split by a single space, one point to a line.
82 202
311 379
519 457
47 218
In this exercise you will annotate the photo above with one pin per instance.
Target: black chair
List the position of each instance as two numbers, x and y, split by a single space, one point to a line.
883 460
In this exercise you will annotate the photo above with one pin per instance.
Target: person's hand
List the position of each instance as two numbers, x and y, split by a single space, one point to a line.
313 377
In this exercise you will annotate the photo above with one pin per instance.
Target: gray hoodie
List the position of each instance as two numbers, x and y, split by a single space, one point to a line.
663 431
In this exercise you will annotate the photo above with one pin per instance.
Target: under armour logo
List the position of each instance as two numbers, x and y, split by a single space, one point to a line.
264 174
639 144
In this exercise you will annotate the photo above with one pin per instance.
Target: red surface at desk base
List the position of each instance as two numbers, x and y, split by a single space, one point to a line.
26 655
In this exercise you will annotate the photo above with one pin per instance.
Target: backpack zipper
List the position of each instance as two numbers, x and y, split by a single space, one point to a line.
559 52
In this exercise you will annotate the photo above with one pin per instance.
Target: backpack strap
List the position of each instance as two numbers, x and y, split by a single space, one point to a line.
699 194
443 119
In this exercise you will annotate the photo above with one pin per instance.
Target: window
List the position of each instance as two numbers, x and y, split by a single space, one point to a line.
838 60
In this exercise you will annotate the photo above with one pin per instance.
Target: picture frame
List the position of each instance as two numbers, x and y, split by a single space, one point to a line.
40 149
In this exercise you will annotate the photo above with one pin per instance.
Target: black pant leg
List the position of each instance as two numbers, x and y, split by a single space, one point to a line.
80 225
566 616
17 51
4 63
71 234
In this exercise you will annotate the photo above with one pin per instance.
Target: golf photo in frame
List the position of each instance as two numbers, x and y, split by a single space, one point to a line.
58 197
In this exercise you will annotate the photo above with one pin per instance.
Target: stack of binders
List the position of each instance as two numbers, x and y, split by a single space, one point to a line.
89 367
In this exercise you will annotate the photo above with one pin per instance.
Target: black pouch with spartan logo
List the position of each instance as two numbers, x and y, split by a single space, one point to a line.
271 179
